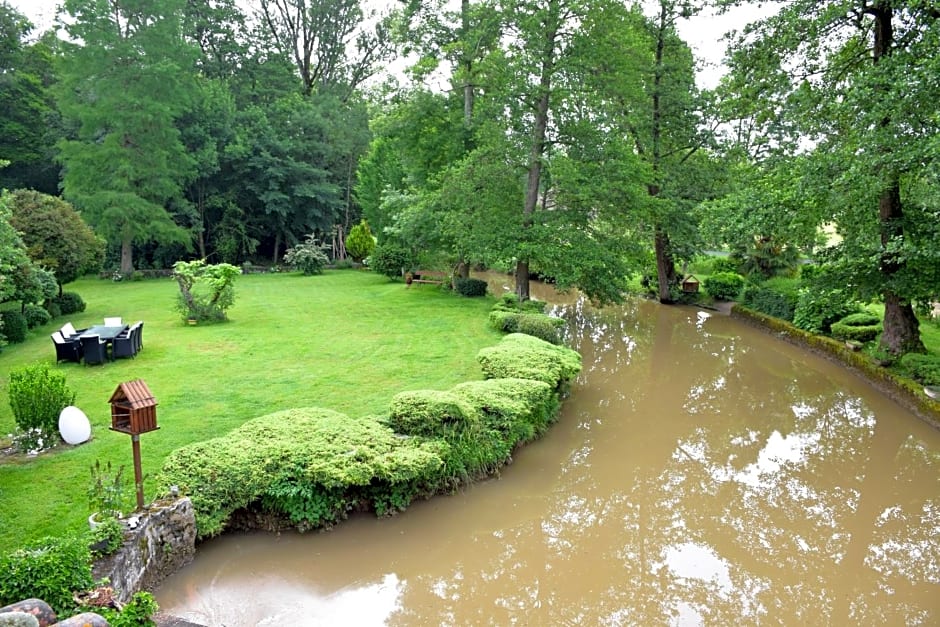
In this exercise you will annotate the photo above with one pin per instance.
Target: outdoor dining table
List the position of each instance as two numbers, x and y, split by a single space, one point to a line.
104 332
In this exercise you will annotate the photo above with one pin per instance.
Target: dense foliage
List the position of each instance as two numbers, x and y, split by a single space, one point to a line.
863 326
724 285
308 257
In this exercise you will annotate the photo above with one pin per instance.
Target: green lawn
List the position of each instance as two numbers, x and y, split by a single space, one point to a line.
346 340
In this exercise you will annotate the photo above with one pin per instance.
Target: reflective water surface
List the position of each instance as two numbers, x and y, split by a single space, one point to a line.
702 473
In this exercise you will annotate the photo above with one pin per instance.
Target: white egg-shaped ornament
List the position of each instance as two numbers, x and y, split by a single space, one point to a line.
74 425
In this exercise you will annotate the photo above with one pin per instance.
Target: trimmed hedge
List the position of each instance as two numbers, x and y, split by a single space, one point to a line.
860 327
35 315
310 467
536 324
69 303
521 356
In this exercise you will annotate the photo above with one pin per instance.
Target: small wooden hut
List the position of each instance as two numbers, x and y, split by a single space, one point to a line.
690 284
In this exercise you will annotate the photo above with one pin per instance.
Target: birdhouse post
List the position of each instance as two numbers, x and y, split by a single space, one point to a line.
134 411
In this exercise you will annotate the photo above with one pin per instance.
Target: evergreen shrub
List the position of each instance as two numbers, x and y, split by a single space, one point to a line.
922 368
14 326
51 569
470 287
54 310
523 356
70 302
521 409
37 396
35 315
862 327
724 285
431 413
724 265
310 465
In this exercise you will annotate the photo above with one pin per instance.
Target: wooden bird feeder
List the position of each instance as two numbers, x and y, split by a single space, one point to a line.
133 408
690 284
134 411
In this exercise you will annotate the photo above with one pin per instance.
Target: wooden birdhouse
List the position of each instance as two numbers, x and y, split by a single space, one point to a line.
690 284
133 408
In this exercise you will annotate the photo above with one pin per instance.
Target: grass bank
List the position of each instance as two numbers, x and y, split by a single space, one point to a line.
347 341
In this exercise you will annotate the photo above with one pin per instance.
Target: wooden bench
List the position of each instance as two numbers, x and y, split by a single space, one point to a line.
425 276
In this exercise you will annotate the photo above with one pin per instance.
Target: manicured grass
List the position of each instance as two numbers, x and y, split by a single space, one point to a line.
347 341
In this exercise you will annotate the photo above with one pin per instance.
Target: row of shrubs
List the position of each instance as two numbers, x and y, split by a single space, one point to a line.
511 315
15 325
309 468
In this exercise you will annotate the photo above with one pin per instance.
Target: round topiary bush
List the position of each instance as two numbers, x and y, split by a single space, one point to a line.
35 315
70 302
859 327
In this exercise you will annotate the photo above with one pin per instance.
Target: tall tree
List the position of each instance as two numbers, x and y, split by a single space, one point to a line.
857 81
125 81
332 45
29 125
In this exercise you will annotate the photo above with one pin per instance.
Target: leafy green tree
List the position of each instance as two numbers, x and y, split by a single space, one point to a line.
360 243
855 81
54 234
126 79
29 126
330 42
206 290
12 252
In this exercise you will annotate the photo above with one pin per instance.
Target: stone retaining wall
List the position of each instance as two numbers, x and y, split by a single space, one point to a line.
162 541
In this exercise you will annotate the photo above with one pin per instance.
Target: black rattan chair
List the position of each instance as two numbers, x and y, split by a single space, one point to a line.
94 350
66 350
124 345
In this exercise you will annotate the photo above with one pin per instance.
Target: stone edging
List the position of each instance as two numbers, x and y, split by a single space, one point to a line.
907 393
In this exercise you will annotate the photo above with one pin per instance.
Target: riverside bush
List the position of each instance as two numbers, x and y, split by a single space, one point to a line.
311 465
37 396
535 324
724 285
862 327
817 309
521 356
51 569
431 413
775 297
522 409
923 368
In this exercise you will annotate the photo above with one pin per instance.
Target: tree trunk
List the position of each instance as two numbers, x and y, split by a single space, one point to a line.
127 255
277 248
665 266
536 153
522 280
901 328
463 270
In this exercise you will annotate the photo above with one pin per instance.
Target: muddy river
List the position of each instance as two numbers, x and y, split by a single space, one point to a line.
702 473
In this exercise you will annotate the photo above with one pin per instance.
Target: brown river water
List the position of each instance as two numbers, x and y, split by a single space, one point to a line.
701 473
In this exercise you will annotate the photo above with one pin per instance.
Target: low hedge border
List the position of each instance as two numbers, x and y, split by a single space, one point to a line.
308 468
908 393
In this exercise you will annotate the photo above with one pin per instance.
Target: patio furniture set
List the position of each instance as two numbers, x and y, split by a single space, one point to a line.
99 343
